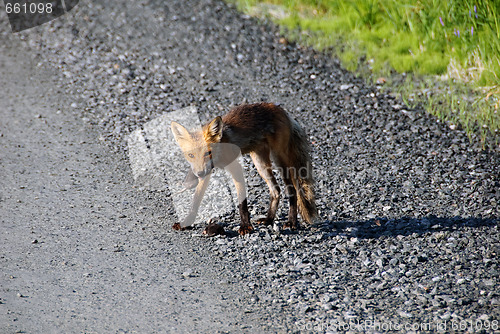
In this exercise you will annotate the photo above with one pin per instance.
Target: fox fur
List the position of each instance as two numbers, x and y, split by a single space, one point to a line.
268 134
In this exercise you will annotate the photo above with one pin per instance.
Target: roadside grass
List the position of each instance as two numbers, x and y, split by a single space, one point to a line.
443 55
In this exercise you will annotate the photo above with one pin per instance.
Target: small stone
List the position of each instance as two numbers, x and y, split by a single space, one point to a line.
276 228
304 308
422 299
325 298
283 41
350 315
404 314
327 306
187 274
438 303
221 241
489 282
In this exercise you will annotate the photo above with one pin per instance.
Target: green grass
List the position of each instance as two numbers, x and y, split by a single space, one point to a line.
449 47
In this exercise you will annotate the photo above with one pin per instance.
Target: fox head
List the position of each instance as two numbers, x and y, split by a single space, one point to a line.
197 146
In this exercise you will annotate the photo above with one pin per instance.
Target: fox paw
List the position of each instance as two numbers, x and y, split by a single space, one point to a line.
292 226
264 221
245 229
178 227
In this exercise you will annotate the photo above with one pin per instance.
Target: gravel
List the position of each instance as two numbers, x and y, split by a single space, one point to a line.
409 207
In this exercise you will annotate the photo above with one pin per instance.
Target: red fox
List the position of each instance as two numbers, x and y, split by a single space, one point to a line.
267 133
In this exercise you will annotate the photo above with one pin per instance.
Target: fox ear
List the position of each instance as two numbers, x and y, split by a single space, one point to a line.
214 129
179 131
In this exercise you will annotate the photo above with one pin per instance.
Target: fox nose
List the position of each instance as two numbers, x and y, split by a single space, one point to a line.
202 173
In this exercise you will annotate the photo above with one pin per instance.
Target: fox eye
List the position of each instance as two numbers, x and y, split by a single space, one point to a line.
208 153
191 155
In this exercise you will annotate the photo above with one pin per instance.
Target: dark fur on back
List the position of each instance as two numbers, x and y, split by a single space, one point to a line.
253 123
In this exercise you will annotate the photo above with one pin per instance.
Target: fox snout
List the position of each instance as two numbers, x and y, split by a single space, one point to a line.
202 166
203 173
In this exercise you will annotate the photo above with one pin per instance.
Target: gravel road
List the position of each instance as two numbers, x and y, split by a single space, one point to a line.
409 208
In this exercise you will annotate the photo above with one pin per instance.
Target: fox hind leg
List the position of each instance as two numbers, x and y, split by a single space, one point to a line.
263 164
291 193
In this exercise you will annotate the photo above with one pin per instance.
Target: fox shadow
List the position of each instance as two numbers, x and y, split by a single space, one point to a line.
379 227
376 228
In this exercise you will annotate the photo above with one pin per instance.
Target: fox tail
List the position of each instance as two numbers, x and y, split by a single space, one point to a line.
302 178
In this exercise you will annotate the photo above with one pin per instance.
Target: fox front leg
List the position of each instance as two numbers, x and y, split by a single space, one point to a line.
198 196
186 223
236 171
